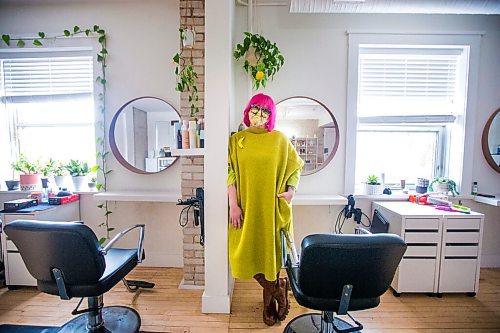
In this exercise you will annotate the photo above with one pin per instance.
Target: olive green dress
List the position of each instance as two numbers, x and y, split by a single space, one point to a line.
261 164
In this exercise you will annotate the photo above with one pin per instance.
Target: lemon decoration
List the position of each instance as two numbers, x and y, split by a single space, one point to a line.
240 142
259 75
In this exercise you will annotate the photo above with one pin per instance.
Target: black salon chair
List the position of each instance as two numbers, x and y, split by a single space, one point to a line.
341 273
66 260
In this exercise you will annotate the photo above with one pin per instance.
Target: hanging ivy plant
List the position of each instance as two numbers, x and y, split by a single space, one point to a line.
186 76
263 59
102 54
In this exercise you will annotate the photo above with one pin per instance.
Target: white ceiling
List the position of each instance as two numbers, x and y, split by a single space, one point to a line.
397 6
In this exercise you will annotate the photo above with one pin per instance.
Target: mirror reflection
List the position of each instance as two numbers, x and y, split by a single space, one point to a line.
312 128
491 140
142 134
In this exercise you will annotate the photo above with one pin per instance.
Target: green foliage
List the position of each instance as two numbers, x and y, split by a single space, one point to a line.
102 55
77 168
452 186
26 166
372 180
49 168
268 58
186 77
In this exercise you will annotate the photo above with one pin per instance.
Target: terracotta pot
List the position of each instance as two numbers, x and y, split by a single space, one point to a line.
30 182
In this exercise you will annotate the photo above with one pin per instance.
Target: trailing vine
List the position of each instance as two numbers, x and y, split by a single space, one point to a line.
186 75
102 54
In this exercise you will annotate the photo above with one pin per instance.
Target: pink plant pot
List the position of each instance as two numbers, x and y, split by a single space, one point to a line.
30 182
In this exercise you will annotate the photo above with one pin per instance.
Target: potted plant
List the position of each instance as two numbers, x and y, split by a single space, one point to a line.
47 171
30 173
92 183
373 186
60 175
443 185
263 59
78 171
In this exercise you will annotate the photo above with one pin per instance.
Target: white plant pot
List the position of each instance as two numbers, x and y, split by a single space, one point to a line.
61 181
441 188
373 189
80 183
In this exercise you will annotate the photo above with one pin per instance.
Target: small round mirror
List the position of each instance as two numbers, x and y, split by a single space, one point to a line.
142 133
312 128
491 141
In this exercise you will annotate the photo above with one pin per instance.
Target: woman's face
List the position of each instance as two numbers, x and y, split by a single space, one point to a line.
258 116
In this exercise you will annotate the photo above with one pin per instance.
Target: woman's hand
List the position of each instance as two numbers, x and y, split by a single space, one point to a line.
288 195
236 216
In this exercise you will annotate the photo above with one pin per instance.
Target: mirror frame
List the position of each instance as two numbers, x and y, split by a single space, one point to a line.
484 141
337 135
114 147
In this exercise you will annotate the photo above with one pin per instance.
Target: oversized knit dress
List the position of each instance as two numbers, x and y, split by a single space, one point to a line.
261 164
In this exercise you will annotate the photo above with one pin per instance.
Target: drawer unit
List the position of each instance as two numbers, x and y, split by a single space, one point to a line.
422 237
444 248
414 250
416 275
427 224
458 275
461 237
16 273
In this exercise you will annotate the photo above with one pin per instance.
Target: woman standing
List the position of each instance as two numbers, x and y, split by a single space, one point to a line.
263 173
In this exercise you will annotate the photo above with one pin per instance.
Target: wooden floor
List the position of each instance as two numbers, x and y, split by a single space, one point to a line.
169 309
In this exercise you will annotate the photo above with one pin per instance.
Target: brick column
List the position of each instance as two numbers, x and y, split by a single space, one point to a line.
192 15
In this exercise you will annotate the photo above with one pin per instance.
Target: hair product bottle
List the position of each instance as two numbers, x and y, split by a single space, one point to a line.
192 134
185 135
178 135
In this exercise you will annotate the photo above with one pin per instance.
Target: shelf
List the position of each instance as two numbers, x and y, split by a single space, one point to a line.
489 201
188 152
137 196
318 200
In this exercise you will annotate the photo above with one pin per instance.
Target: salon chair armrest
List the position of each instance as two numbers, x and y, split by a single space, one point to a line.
108 246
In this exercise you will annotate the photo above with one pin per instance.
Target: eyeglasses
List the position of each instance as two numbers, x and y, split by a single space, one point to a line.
255 109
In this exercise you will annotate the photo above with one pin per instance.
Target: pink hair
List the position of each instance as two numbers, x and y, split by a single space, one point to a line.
265 102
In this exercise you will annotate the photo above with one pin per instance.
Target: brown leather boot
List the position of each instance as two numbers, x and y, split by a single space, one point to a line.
280 294
269 315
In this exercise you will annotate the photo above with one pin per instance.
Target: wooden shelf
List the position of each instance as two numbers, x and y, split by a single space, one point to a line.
318 200
188 152
137 196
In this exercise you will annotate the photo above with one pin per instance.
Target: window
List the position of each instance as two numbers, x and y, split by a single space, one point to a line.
407 106
48 108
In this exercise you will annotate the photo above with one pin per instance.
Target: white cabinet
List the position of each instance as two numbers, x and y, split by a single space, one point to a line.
443 254
16 273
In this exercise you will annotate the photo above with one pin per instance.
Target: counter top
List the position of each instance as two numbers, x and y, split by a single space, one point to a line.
318 200
146 196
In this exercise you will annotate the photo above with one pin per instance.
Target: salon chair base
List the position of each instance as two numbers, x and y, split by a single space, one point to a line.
313 323
117 319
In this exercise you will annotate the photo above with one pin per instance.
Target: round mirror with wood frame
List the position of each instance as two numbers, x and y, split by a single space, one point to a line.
141 134
312 128
491 141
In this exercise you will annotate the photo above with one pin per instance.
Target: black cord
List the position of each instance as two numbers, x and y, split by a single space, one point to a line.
185 209
369 221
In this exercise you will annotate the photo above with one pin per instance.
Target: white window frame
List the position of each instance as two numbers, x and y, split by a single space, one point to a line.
77 46
355 39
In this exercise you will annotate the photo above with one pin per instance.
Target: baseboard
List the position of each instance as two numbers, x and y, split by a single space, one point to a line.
490 261
215 304
189 286
158 259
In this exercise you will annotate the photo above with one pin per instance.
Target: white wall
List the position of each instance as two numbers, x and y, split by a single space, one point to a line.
142 39
315 47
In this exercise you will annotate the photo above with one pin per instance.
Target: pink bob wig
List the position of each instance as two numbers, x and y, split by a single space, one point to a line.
265 102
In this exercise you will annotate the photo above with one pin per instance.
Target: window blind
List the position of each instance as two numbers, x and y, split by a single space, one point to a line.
414 76
47 76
